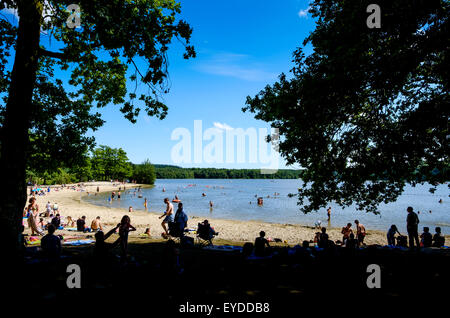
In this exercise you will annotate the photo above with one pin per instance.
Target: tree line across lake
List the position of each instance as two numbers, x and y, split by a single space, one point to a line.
105 163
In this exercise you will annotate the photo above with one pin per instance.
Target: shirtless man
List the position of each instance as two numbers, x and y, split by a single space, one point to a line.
360 232
96 225
346 231
167 215
329 213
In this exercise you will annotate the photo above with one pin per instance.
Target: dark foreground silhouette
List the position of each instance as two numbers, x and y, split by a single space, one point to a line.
166 274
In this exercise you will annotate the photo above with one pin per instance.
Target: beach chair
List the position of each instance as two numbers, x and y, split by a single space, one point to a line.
205 234
174 231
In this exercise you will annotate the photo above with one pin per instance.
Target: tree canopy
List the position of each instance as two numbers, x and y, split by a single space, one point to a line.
61 73
368 110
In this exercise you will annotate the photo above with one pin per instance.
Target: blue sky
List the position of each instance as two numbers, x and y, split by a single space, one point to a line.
241 45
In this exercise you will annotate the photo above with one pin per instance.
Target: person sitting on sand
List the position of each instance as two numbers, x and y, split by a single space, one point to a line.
180 219
51 244
42 224
438 238
426 239
323 239
96 225
167 215
260 244
147 231
56 221
130 209
70 222
346 231
102 248
391 234
351 242
81 225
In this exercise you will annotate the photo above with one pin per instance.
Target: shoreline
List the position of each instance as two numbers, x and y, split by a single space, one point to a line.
70 203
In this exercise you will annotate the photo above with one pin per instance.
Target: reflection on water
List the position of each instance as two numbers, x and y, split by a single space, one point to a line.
237 199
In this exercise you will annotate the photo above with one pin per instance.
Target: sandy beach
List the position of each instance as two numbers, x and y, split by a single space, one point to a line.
71 204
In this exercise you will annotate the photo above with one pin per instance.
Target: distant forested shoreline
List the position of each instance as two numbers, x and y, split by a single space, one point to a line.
176 172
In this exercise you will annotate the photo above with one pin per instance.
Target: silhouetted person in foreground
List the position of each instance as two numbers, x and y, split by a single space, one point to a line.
180 220
206 231
101 249
260 244
323 239
351 242
438 238
412 224
124 228
426 238
51 244
391 234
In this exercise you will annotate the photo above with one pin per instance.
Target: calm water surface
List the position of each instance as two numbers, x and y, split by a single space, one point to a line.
235 199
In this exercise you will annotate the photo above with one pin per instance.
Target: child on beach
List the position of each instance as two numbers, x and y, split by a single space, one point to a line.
124 228
438 238
426 238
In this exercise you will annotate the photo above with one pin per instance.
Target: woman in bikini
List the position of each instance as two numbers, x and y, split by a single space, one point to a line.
33 213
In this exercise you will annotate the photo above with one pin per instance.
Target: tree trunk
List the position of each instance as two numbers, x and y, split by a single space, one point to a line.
16 125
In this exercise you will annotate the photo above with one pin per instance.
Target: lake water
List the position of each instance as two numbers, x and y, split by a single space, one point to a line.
232 197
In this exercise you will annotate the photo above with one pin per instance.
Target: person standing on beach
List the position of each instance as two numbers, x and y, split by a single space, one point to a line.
124 228
32 214
167 215
329 213
145 203
360 233
412 225
346 231
180 219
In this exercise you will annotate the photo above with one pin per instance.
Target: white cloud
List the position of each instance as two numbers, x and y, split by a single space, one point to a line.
304 13
223 126
235 65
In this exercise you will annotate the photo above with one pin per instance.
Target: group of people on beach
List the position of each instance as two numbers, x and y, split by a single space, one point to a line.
412 227
349 239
